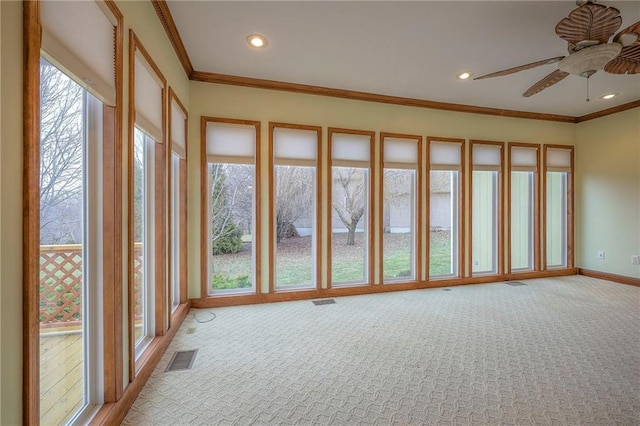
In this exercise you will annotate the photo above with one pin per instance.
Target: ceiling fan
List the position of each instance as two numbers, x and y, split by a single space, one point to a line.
587 30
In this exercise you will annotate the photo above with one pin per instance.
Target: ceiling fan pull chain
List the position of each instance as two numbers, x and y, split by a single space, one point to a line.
587 89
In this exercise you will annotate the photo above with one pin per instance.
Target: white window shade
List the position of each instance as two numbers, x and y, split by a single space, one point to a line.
348 150
79 37
231 143
178 130
400 153
558 160
524 159
295 146
445 155
487 157
148 99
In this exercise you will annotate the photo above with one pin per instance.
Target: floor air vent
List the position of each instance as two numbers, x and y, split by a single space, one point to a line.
514 283
182 360
323 302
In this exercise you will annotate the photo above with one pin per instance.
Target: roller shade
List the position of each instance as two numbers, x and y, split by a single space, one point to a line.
524 159
558 160
148 98
230 143
79 38
445 155
350 150
295 146
400 153
178 130
487 157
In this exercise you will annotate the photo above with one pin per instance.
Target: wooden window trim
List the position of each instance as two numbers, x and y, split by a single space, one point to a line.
461 208
536 208
418 211
570 207
159 207
204 279
370 212
182 203
499 228
272 203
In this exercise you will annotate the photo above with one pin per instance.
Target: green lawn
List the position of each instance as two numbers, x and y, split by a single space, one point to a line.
294 261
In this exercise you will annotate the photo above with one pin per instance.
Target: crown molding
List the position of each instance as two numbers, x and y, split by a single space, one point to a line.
164 14
608 111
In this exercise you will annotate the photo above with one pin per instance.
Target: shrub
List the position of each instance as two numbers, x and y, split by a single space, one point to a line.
230 241
223 282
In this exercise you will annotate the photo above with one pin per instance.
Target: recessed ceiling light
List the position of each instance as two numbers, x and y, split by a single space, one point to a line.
257 40
464 75
609 96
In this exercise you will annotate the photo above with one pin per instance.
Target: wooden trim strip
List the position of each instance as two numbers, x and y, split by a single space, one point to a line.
169 25
608 111
31 213
621 279
210 302
369 97
114 413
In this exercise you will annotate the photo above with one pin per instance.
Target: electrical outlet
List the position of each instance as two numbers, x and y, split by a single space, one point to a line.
601 254
635 259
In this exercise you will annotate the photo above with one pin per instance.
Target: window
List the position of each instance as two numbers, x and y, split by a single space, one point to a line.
76 92
400 208
231 241
445 207
523 205
178 202
295 223
558 199
350 207
147 198
486 208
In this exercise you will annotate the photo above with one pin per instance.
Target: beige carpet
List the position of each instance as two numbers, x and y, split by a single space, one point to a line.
555 351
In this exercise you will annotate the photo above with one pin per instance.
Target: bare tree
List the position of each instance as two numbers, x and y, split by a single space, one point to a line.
61 157
294 190
351 183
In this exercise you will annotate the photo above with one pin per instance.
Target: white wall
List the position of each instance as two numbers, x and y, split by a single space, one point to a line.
608 193
11 213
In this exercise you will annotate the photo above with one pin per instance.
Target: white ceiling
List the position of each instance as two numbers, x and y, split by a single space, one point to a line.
409 49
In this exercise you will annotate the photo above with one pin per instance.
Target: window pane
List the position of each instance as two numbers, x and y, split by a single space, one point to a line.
350 226
295 226
443 226
140 229
522 206
176 229
556 219
485 222
398 240
63 249
231 228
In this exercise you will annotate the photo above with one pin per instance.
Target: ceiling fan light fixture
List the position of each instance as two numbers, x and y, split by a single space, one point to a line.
609 96
589 59
257 40
464 75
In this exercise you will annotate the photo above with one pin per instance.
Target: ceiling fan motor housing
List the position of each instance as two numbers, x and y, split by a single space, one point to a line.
586 61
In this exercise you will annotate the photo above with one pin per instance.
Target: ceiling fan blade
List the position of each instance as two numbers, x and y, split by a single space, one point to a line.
521 68
548 81
589 22
627 62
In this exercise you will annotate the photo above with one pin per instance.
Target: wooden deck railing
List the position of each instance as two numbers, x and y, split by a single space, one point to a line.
61 272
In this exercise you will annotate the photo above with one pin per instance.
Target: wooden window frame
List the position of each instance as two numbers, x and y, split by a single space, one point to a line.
461 209
570 208
112 218
499 228
370 211
536 210
272 205
204 217
418 210
159 211
182 202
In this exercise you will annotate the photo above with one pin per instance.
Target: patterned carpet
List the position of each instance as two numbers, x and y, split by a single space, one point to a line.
554 351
